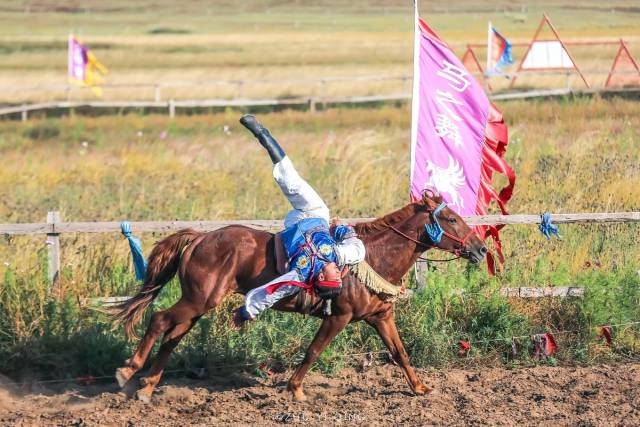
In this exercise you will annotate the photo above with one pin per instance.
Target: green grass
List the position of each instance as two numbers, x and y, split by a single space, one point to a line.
570 156
577 155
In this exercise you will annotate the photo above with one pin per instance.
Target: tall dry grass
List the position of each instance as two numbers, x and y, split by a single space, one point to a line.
278 40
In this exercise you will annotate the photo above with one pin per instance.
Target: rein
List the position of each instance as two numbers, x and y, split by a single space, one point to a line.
435 233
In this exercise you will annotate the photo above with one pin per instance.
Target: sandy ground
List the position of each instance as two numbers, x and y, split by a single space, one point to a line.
583 396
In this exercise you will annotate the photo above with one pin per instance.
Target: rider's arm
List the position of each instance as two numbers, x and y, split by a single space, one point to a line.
349 249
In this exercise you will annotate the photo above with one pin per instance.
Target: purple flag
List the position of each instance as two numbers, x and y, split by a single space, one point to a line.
448 132
78 60
458 137
83 67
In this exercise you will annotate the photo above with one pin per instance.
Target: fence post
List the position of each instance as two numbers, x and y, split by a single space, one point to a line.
312 105
53 248
172 108
422 267
24 114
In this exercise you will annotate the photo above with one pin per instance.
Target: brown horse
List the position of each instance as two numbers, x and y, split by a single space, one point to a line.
237 259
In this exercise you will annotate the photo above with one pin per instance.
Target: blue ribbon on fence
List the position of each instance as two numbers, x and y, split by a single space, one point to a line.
139 263
547 228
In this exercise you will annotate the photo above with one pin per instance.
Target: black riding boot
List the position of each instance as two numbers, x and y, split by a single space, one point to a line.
264 137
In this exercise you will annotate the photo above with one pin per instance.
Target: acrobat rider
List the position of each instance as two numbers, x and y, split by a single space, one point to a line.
317 253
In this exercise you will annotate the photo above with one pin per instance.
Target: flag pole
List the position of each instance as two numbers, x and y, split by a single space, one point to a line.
415 97
489 46
69 58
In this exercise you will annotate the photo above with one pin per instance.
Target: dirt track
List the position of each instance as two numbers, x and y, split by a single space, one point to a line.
600 395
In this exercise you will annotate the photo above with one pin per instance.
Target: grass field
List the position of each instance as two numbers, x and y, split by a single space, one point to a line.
196 41
571 155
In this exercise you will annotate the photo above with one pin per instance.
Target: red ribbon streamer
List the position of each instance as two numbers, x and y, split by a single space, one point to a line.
495 146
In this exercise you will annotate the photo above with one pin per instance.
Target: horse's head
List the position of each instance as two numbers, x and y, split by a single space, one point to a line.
446 230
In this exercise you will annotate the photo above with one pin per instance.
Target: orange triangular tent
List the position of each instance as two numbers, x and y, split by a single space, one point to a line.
624 70
548 54
471 63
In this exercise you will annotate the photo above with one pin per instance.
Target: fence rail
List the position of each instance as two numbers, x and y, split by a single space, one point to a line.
157 87
275 224
308 102
54 227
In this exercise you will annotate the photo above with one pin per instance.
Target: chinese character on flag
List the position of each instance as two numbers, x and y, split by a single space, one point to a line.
458 137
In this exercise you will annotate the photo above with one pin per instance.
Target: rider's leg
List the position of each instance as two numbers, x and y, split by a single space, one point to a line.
300 194
264 137
259 299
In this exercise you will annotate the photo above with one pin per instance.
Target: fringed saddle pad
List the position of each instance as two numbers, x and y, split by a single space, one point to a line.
376 283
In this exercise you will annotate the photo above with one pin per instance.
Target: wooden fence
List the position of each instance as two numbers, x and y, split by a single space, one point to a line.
307 102
54 226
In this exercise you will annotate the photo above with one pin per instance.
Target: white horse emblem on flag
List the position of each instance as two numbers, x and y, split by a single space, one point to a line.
447 180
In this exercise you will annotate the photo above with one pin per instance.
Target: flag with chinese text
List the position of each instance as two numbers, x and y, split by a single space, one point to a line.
458 137
83 67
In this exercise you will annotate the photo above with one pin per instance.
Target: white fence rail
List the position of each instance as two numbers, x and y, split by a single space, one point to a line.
54 227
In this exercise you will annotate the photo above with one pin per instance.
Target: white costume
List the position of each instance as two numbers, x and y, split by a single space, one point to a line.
306 204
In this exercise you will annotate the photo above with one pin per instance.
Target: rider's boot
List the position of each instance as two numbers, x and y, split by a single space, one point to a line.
264 137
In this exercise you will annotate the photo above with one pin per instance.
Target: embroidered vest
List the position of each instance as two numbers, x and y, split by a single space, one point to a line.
309 246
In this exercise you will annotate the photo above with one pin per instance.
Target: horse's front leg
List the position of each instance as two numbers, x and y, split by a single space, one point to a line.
385 325
330 327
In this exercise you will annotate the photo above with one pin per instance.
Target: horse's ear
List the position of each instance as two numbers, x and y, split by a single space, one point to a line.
431 197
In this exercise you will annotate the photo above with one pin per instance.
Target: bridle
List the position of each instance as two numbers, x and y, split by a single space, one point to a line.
435 232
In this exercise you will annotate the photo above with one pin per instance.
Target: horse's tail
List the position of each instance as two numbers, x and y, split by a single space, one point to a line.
163 265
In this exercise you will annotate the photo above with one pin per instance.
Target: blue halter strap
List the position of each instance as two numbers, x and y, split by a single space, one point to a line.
435 230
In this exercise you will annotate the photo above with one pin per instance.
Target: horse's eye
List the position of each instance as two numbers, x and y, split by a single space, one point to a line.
452 220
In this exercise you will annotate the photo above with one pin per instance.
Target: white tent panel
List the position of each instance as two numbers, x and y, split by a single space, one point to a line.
547 54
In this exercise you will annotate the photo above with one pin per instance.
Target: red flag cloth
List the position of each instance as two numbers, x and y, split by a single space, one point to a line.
544 344
550 346
495 146
605 334
464 347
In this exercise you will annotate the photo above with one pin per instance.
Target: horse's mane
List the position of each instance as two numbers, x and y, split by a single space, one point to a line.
382 223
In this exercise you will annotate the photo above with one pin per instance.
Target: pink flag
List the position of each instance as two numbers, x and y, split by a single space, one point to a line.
83 67
78 60
458 136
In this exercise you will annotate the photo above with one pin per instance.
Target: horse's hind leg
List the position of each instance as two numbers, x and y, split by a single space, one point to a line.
184 315
385 325
160 322
330 327
169 342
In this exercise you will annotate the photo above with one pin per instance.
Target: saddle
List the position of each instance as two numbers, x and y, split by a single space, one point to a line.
282 260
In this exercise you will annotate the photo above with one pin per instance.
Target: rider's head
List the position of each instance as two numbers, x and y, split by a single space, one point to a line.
330 272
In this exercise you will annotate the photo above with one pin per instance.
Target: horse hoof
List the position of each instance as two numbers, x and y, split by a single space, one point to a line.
298 395
143 396
421 390
122 377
